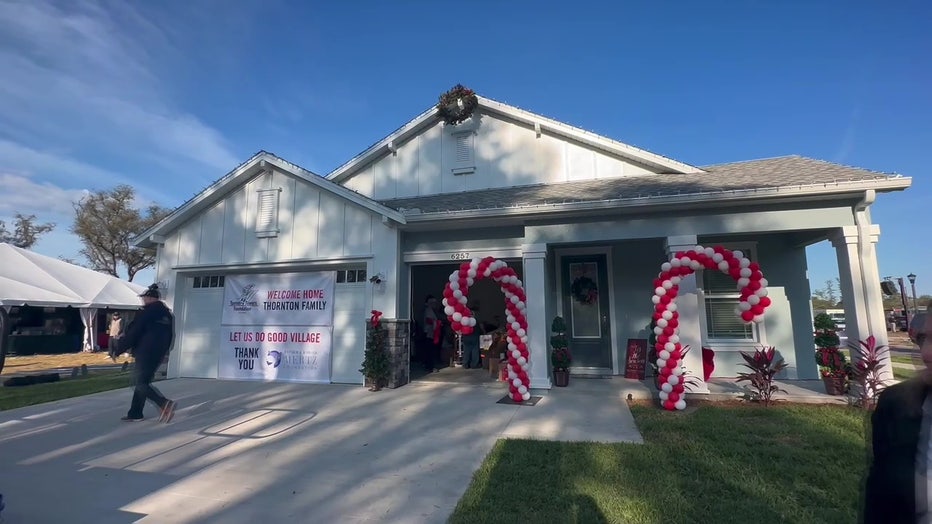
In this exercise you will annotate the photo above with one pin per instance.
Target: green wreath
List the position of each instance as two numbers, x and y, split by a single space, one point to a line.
584 290
457 105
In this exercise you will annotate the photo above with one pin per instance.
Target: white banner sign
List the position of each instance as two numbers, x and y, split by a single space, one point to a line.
282 353
286 299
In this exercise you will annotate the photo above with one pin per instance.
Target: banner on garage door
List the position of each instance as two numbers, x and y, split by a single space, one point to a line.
282 353
286 299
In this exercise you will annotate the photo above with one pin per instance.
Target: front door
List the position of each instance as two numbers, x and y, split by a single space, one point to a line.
586 311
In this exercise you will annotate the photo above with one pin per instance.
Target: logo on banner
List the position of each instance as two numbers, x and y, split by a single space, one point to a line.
274 358
247 299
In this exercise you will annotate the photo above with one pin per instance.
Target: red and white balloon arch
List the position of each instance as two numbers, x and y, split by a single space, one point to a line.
456 298
751 306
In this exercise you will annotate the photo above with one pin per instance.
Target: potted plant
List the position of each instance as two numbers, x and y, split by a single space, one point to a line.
560 356
833 365
375 364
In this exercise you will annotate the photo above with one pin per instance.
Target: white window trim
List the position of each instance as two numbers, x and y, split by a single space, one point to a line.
758 331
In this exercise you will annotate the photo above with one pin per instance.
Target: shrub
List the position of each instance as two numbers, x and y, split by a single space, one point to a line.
560 356
763 368
865 372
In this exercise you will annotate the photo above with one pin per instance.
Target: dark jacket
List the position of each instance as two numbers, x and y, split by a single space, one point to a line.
151 333
890 491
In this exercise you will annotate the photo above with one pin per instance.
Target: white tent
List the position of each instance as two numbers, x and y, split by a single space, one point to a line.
28 278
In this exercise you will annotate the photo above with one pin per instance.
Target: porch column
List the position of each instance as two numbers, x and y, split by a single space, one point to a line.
535 287
687 305
860 287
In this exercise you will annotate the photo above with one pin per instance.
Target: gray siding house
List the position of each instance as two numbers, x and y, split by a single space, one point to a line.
553 201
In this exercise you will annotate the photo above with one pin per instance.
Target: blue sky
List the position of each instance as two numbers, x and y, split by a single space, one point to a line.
168 96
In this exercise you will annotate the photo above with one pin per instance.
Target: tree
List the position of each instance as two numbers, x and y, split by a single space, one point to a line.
828 297
106 221
26 231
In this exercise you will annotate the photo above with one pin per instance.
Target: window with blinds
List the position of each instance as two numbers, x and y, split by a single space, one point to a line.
267 213
463 154
721 299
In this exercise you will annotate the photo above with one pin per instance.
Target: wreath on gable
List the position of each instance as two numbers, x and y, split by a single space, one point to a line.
584 290
457 105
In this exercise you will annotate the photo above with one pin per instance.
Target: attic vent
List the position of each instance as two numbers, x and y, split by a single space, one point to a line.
463 157
267 213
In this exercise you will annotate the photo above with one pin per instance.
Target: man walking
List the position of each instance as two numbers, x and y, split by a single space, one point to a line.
115 333
149 338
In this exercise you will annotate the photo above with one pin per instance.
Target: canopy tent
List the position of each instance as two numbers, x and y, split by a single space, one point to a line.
31 279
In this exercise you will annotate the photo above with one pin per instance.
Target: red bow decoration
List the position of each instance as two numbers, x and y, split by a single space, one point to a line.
376 317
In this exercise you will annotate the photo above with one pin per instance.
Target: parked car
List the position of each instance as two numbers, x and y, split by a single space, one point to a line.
915 325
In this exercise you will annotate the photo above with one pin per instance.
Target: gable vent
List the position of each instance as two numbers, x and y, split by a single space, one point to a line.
267 213
463 157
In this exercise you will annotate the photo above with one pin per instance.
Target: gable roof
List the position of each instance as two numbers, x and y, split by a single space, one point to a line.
429 117
242 173
739 180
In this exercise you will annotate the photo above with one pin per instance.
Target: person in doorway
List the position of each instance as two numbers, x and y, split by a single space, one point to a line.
433 334
149 338
115 333
471 357
899 481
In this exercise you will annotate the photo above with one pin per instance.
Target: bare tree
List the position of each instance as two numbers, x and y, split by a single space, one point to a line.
106 222
26 231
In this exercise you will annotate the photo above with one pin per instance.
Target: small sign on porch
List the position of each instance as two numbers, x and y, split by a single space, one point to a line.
636 358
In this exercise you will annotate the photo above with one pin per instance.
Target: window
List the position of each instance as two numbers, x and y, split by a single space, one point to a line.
267 213
463 156
212 281
351 276
721 298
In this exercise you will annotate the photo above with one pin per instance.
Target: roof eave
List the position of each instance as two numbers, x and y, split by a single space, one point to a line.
718 197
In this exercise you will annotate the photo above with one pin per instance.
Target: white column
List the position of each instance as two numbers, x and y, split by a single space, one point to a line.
687 305
860 287
538 337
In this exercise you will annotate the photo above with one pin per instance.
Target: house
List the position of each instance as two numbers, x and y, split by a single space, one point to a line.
557 203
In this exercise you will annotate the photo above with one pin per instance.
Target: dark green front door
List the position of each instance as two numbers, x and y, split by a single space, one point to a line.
586 310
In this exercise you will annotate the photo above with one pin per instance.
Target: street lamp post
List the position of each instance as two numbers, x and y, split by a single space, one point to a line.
912 283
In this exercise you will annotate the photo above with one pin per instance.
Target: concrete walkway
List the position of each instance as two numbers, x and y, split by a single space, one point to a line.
246 452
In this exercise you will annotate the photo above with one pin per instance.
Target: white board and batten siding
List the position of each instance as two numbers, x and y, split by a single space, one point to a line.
274 218
497 152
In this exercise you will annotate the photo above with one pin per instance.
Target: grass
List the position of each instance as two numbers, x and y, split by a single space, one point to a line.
718 464
903 374
21 396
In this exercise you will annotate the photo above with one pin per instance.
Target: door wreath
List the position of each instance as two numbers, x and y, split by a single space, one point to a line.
584 290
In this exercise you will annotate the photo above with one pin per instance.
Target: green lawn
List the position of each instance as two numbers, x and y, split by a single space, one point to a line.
17 397
903 374
719 464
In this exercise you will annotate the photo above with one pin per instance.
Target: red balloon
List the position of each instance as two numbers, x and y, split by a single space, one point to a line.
668 331
747 316
765 301
659 345
674 396
457 326
657 316
756 275
673 322
665 299
679 388
757 310
754 284
517 397
754 266
680 254
735 273
663 339
657 283
671 364
668 405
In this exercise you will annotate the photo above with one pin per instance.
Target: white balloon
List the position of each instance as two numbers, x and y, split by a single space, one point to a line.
515 326
457 316
487 273
521 332
522 306
744 306
661 362
658 330
745 272
667 388
673 380
470 281
674 339
511 374
455 286
666 315
515 353
457 294
680 404
522 361
463 299
744 262
454 278
717 258
676 280
675 262
512 346
763 282
662 323
758 319
678 371
516 382
524 339
664 354
723 266
660 291
754 300
738 254
708 251
695 264
666 266
526 396
513 299
671 307
445 302
743 282
762 292
685 261
669 346
655 299
664 395
528 366
474 263
666 284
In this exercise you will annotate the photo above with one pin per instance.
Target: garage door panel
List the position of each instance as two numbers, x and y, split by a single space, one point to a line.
198 365
200 340
349 333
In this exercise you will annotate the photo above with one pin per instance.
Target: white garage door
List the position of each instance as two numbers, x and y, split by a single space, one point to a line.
198 353
349 331
200 327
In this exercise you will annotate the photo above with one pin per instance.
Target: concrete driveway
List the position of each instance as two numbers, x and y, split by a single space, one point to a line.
241 452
